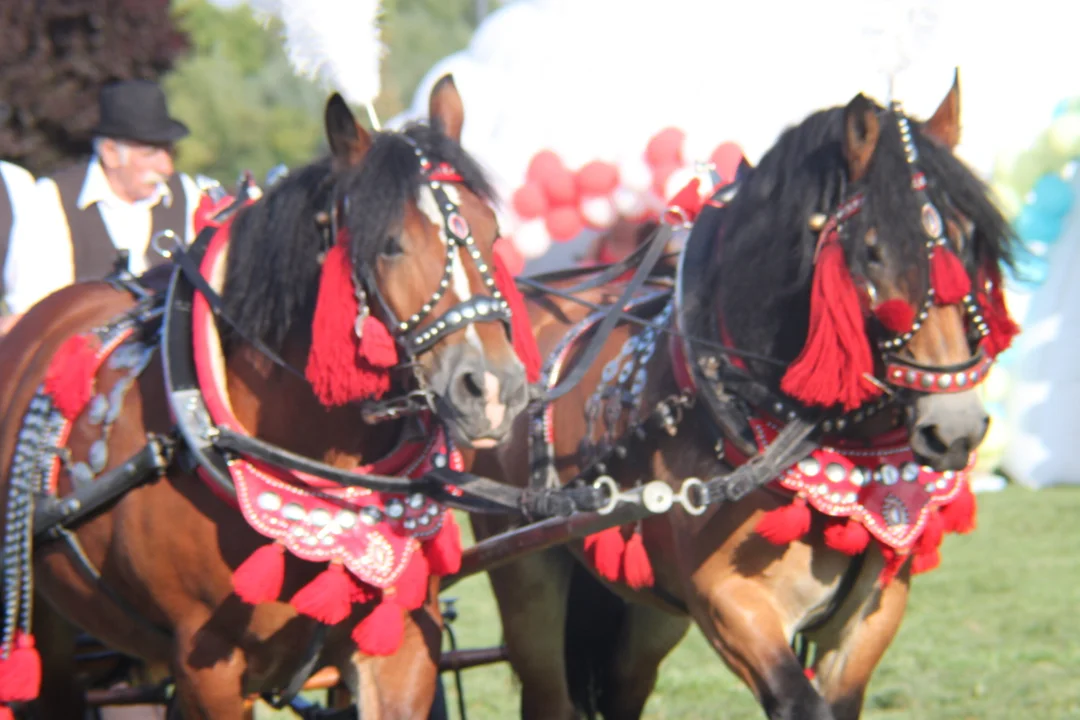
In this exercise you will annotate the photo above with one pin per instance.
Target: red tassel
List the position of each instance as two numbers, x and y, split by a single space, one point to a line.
831 367
340 367
688 201
959 515
996 313
412 587
5 713
848 536
785 524
520 325
377 346
930 539
897 316
260 577
20 673
605 551
443 552
327 598
925 562
637 569
894 561
69 381
381 632
948 276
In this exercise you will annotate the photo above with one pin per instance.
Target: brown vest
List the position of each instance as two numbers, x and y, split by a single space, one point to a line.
92 249
7 219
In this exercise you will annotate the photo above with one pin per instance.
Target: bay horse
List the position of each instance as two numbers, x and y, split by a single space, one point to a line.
851 284
372 270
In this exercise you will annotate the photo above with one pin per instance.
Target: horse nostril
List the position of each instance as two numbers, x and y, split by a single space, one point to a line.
933 441
472 386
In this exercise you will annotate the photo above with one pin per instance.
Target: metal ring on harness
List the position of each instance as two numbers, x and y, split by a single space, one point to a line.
155 242
606 482
690 485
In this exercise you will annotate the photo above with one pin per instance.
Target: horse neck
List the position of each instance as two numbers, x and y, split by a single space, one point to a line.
279 408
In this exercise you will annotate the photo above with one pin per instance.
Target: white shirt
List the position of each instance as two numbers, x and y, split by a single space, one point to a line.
40 257
24 201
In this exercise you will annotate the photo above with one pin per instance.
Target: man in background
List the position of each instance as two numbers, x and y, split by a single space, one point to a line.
18 204
97 211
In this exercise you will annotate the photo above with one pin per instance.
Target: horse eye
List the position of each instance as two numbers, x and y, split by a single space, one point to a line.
873 249
392 247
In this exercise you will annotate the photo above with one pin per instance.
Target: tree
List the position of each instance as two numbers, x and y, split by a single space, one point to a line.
57 54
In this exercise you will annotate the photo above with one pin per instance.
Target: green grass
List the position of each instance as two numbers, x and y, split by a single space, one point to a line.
993 633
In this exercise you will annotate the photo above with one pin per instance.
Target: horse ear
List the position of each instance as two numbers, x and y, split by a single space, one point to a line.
862 128
944 126
445 108
349 142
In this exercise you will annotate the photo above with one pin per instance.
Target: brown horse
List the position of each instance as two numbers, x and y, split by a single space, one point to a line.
836 240
417 226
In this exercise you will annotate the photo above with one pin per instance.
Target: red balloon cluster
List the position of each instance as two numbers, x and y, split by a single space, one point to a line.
554 192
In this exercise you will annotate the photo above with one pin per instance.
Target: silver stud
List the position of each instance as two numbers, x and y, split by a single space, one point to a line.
841 424
827 426
444 283
370 516
931 487
395 509
809 466
414 318
403 326
468 312
439 461
440 325
319 517
81 474
482 267
416 501
345 519
426 309
911 377
927 380
889 474
269 501
482 307
944 381
98 456
98 407
409 524
858 477
425 520
835 472
293 511
454 317
961 379
910 472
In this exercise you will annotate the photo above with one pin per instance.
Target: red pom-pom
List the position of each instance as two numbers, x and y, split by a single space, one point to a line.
411 589
637 569
925 562
605 551
996 313
327 598
785 524
381 632
443 552
20 673
339 367
69 381
932 534
520 325
260 577
377 346
830 369
894 561
846 535
948 276
896 315
959 515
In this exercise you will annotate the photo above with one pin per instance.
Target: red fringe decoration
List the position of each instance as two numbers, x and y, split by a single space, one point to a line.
831 366
327 598
605 551
520 325
1002 327
69 381
948 276
847 535
340 368
932 534
897 316
381 632
636 567
785 524
959 515
411 590
893 562
260 577
925 562
20 674
443 552
360 593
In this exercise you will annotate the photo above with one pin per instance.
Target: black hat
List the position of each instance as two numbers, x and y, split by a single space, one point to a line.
136 110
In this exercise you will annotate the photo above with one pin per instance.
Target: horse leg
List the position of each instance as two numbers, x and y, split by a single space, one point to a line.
532 597
851 644
741 620
647 635
208 669
61 696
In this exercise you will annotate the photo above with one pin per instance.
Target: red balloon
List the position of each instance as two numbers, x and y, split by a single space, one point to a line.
660 177
560 187
542 165
513 260
564 223
597 178
726 158
665 147
529 201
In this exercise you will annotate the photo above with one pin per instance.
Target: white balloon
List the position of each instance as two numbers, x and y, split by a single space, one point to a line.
598 211
636 174
628 202
531 239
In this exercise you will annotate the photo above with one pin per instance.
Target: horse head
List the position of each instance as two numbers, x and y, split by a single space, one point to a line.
891 297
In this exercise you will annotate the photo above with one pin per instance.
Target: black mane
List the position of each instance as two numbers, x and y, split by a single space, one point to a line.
763 264
272 277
